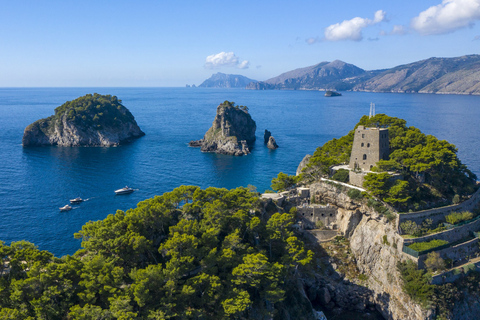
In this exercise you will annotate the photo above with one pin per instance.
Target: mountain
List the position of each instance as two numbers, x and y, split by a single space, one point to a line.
222 80
336 75
457 75
434 75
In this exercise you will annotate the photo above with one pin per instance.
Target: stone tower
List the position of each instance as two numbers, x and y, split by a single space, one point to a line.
369 146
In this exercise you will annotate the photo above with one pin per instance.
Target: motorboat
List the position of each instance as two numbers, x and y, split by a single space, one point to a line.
125 190
76 200
66 208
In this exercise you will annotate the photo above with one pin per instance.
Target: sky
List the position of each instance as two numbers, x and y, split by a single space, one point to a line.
160 43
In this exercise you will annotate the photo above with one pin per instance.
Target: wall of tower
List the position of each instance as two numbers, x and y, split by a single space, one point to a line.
369 146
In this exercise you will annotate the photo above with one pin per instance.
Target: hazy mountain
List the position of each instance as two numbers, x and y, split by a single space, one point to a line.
435 75
336 75
222 80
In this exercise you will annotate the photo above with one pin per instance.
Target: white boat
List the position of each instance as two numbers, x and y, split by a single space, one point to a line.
66 208
125 190
76 200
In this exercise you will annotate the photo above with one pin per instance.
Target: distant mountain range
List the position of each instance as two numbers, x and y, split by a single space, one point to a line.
222 80
458 75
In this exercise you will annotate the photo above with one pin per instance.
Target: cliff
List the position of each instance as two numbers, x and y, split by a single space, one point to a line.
91 120
222 80
232 131
374 243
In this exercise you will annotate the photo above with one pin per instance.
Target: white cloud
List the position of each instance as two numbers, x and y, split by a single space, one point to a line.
447 17
399 30
225 59
352 29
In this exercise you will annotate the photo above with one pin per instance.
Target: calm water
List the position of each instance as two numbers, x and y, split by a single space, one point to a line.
35 182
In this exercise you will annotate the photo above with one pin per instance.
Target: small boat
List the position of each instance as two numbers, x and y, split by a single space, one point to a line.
125 190
330 93
66 208
76 200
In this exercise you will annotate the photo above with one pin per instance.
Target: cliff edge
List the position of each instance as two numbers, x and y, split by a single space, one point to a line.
232 131
91 120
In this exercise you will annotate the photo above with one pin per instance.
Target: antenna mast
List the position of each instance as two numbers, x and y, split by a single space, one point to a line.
372 110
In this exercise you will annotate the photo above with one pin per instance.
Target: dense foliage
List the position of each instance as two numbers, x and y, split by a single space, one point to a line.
427 245
430 167
416 282
94 110
188 254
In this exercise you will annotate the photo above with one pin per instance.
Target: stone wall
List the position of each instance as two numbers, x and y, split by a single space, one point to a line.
438 214
451 235
451 276
456 253
356 178
326 214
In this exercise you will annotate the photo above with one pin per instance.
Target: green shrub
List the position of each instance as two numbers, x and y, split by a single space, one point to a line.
410 227
354 194
427 245
456 199
319 224
457 217
416 283
434 262
385 240
341 175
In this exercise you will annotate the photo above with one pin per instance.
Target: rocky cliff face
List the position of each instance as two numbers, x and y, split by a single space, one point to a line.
373 242
232 131
93 120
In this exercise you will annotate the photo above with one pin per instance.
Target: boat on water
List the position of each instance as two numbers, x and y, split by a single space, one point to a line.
330 93
66 208
76 200
125 190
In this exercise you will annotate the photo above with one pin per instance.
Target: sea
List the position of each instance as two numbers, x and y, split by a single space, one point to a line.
36 181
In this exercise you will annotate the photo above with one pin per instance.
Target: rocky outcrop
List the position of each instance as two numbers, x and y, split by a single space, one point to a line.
303 164
272 144
92 120
266 136
374 242
232 131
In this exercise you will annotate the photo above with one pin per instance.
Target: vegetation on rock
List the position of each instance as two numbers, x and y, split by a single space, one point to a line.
430 167
89 120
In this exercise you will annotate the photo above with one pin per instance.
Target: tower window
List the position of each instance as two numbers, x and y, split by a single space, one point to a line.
368 145
364 157
362 144
363 135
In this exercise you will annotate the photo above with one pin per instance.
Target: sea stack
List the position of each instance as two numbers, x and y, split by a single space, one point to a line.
266 136
91 121
272 144
232 131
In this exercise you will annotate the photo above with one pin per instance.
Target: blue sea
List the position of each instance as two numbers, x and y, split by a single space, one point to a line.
36 181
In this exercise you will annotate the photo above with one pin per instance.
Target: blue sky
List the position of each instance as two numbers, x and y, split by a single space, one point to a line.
173 43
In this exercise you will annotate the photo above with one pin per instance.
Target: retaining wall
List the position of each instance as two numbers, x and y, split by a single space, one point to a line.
451 235
438 214
456 253
451 276
323 235
326 214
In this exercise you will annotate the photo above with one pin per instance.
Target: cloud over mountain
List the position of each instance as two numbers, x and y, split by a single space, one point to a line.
352 29
225 59
447 17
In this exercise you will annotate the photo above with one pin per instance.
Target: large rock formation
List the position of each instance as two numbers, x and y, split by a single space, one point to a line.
222 80
91 120
232 131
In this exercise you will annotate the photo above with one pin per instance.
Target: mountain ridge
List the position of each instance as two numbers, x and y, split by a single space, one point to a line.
457 75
